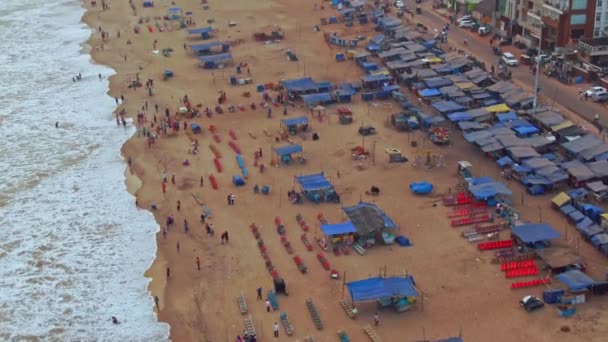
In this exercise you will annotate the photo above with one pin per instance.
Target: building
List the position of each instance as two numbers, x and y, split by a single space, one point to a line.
600 28
561 21
595 51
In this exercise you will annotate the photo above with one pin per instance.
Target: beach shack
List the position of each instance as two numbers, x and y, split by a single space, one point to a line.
210 48
286 154
312 100
490 192
339 234
215 61
575 147
534 235
578 172
293 125
577 284
317 188
399 293
174 13
560 259
303 86
371 224
375 81
203 32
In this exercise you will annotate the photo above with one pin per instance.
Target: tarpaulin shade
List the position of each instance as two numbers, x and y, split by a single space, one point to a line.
575 280
338 228
531 233
368 218
200 30
222 57
205 46
301 120
488 190
314 182
561 199
381 288
316 99
288 150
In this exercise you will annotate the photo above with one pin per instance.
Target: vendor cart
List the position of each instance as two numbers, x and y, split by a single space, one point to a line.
345 115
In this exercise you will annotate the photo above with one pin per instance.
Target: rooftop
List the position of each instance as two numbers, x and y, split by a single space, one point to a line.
596 42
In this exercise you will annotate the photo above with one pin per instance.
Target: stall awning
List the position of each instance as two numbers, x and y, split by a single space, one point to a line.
561 199
302 120
575 280
499 108
380 288
288 150
338 228
535 232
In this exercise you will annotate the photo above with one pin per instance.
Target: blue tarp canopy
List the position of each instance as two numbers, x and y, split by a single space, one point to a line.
316 99
393 87
205 46
447 106
381 288
487 190
288 150
301 120
377 40
524 130
338 228
567 209
508 116
315 181
222 57
535 232
304 85
429 92
460 116
368 218
575 280
347 89
200 30
480 180
504 161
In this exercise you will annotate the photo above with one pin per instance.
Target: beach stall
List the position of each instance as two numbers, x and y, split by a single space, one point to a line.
579 173
399 293
203 32
293 125
303 86
577 283
338 234
371 224
174 13
317 188
375 81
489 192
313 100
575 147
286 153
534 235
210 48
560 259
215 61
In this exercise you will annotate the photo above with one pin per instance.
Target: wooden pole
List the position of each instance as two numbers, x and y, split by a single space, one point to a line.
343 283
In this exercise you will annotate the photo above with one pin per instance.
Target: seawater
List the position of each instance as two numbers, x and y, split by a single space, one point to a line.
73 247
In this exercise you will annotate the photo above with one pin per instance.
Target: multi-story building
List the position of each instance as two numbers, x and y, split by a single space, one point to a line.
600 28
559 22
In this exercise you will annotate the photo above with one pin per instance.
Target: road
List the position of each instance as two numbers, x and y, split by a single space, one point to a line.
552 91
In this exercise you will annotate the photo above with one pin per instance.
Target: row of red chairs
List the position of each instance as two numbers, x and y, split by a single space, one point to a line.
323 260
535 282
512 265
524 272
495 244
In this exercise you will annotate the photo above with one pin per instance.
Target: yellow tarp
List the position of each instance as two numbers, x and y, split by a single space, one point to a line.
499 108
381 72
563 125
350 54
465 85
432 60
561 199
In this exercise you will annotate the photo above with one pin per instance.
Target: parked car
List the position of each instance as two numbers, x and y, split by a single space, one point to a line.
531 303
543 58
367 130
594 90
509 59
484 30
466 23
465 17
600 97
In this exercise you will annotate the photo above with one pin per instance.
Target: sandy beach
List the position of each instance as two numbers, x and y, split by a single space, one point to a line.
464 293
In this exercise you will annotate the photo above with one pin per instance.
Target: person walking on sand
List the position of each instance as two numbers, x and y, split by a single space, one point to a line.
186 228
156 301
173 179
203 217
165 233
228 199
198 263
168 273
178 246
276 329
179 205
202 181
376 319
164 187
267 305
259 291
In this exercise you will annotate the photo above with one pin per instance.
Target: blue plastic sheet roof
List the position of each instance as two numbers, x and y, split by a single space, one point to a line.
584 223
450 339
504 161
376 78
377 40
347 89
338 228
521 168
222 57
300 120
373 47
393 87
575 280
315 99
200 30
299 84
567 209
429 92
421 188
288 150
524 130
460 116
315 181
535 232
381 288
576 193
387 222
576 216
488 190
205 46
480 180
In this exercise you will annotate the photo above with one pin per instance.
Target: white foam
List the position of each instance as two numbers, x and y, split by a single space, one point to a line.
73 248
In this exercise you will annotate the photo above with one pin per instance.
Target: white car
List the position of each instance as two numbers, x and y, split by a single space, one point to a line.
465 17
594 90
509 59
466 23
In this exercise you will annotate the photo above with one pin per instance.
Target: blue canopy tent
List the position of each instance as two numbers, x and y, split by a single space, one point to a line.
213 62
313 100
459 116
394 291
504 161
209 48
446 107
317 188
369 219
429 92
305 85
338 228
525 130
437 82
285 152
375 81
292 123
205 32
196 128
535 233
174 13
488 191
575 280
